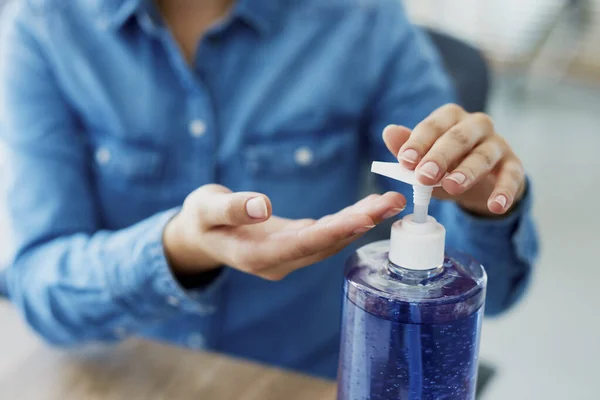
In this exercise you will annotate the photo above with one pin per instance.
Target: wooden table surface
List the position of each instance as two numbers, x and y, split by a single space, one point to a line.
139 370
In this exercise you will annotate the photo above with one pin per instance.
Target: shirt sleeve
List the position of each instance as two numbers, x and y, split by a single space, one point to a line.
506 247
73 281
412 84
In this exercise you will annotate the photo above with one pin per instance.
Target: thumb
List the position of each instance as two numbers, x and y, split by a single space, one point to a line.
218 206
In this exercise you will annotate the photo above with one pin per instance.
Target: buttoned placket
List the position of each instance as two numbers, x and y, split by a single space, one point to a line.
200 125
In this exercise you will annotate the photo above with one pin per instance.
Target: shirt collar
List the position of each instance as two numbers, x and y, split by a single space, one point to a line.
113 14
262 15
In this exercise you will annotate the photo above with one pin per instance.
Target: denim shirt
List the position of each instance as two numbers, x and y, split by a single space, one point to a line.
107 128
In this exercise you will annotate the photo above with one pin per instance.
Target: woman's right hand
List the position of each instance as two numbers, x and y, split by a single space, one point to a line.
217 227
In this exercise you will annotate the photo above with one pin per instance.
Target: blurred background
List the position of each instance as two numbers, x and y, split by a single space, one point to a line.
545 98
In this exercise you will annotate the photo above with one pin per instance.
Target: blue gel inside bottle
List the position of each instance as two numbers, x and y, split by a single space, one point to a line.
410 335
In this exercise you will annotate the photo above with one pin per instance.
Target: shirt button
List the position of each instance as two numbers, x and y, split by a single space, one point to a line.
103 156
303 156
197 128
172 300
196 341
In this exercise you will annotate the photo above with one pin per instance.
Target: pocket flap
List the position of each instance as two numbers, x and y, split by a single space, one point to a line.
116 159
308 154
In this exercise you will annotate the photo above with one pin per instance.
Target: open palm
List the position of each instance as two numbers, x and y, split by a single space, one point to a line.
274 247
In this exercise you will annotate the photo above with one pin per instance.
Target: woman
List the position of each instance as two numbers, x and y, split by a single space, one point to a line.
150 145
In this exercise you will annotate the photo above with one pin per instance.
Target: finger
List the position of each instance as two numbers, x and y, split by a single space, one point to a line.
386 206
291 245
427 132
301 223
509 187
442 194
356 206
394 136
378 207
452 146
217 206
479 163
281 271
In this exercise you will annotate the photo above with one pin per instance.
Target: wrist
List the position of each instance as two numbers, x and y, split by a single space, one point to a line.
183 253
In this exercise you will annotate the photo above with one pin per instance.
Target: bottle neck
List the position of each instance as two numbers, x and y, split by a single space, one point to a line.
411 276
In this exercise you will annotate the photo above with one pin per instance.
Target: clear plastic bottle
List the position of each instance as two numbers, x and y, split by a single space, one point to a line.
411 332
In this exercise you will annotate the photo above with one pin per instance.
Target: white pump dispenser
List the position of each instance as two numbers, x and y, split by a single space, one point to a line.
417 241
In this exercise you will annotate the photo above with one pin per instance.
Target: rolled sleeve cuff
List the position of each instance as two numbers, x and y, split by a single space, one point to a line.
150 287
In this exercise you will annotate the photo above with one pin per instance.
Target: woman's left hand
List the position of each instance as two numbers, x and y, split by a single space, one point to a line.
484 174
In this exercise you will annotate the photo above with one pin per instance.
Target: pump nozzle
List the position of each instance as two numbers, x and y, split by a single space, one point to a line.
417 241
421 193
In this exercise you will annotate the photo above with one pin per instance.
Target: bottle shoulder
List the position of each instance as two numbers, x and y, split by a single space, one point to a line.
457 287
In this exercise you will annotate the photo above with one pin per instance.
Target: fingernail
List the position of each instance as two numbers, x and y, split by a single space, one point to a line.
257 208
364 229
502 200
457 177
393 212
409 155
430 170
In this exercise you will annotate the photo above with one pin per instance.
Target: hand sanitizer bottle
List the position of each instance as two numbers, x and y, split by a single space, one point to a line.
412 315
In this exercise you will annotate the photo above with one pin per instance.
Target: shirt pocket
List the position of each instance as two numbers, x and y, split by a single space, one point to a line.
300 156
118 161
305 175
